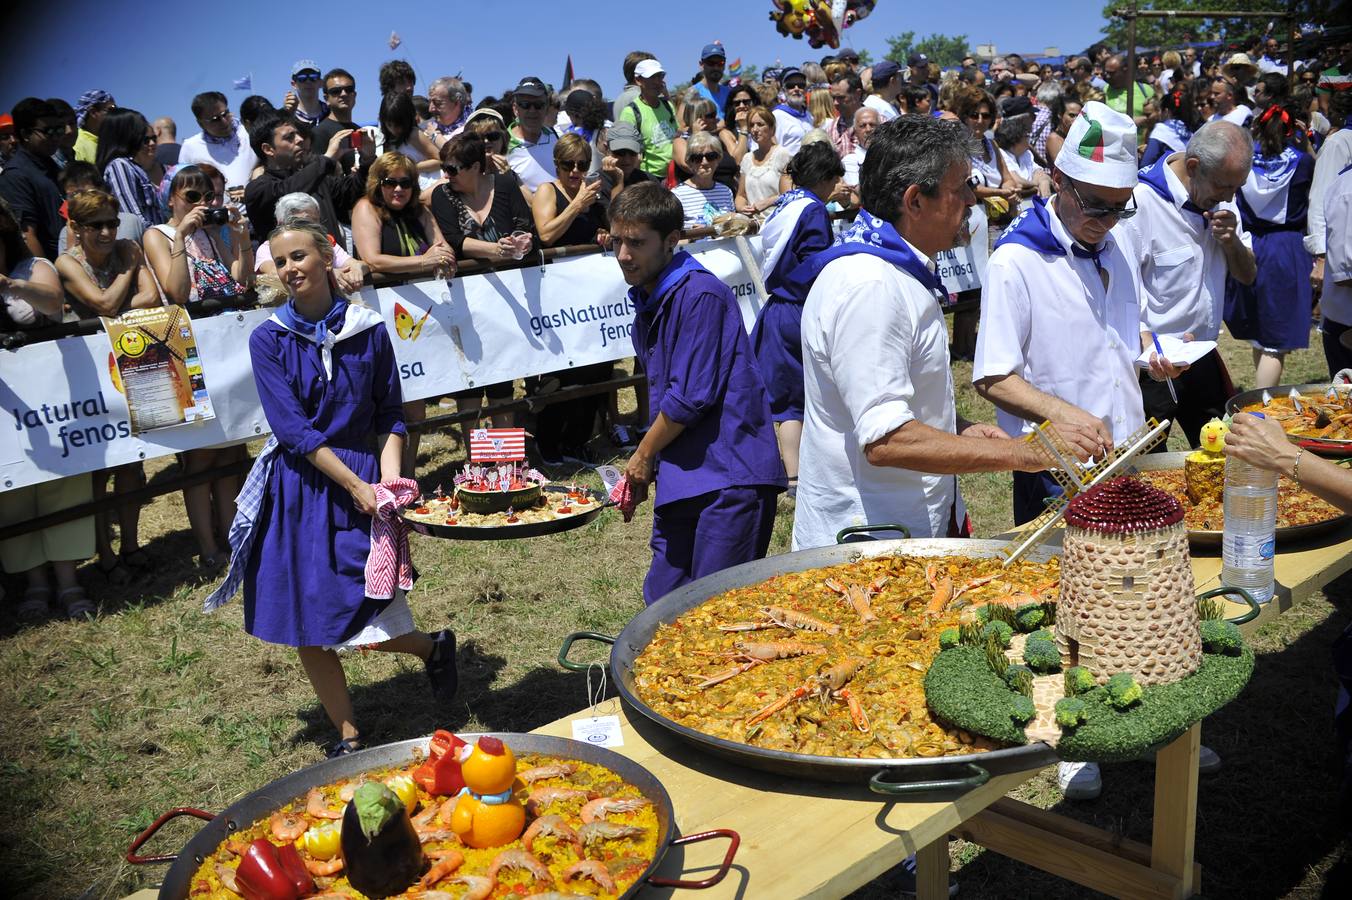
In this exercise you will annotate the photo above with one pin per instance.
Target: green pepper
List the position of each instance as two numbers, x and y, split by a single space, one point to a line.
269 872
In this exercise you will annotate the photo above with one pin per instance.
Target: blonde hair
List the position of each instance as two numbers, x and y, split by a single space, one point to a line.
763 113
820 104
271 289
84 206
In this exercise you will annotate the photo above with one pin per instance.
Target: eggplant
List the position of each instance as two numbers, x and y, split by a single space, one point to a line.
381 851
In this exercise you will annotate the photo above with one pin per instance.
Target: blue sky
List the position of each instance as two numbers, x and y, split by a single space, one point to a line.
155 58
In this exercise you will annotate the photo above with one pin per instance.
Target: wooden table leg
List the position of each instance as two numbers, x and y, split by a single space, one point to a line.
1172 844
931 870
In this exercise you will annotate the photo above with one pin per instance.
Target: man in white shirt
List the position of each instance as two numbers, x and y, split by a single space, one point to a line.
1189 238
1225 102
792 118
882 440
1334 156
1336 301
1061 317
530 147
222 142
865 124
887 84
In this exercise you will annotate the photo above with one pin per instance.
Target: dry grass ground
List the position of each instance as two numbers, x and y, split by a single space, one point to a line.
155 704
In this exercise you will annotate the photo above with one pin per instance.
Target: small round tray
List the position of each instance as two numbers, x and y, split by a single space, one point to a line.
512 532
1323 446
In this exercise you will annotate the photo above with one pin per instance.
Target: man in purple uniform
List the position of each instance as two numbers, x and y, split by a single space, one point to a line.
711 445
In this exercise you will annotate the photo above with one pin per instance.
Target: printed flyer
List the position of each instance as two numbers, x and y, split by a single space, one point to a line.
156 361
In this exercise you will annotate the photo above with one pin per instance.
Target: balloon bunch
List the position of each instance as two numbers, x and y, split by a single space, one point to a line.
821 21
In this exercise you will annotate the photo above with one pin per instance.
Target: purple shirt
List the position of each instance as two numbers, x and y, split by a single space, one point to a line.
701 373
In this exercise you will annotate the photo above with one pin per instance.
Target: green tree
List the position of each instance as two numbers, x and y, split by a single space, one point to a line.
1173 32
942 49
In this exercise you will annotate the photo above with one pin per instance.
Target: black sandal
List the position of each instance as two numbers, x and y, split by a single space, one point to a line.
343 748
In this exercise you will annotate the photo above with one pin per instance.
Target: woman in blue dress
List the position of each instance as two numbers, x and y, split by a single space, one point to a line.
1273 313
796 228
329 385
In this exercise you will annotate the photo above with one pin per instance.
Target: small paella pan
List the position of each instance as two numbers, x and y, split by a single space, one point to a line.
1318 417
812 663
624 825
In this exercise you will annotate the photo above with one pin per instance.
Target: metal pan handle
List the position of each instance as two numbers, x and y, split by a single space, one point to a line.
866 529
880 785
1254 608
735 841
568 647
137 860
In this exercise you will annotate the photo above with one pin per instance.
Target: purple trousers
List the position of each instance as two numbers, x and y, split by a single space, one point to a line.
706 534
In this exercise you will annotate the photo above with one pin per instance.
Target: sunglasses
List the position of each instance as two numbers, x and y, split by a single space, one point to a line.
743 101
624 153
101 225
148 139
50 132
703 157
306 76
981 115
219 117
572 165
489 137
341 89
1102 212
452 170
199 196
530 104
796 86
405 183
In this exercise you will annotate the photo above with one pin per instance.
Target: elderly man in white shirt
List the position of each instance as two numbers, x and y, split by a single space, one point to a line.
882 441
1061 317
1189 238
1336 301
866 121
793 120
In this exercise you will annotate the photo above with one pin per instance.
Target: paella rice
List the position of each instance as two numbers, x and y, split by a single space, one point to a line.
1324 414
611 843
1295 505
829 661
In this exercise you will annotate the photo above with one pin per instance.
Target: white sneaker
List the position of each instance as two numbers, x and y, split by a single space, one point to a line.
1208 760
1079 780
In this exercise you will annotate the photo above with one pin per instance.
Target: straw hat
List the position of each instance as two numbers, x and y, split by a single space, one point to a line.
1240 68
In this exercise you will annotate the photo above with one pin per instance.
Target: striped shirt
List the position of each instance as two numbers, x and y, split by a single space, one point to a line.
702 205
135 194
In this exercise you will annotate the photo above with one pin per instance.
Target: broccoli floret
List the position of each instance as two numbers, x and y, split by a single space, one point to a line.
1002 631
1020 678
949 638
1044 634
1029 616
1041 655
1022 709
1219 636
1123 691
1070 711
1079 680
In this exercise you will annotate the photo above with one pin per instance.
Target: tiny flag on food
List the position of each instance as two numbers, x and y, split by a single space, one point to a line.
497 443
395 40
245 83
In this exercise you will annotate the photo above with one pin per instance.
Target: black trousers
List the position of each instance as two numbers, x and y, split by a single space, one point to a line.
1338 356
1202 393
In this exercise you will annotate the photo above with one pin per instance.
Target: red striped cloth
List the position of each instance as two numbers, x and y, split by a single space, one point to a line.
389 564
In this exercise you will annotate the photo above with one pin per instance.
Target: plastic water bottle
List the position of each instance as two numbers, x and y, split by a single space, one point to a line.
1250 535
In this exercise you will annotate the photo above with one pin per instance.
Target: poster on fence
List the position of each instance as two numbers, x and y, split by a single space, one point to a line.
964 267
154 359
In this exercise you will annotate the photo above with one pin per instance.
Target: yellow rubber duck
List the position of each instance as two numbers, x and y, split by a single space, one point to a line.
486 814
1213 436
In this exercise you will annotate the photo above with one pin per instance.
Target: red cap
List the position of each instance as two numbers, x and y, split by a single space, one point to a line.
491 745
6 122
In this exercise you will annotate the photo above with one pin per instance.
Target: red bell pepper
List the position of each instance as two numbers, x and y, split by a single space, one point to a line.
441 773
269 872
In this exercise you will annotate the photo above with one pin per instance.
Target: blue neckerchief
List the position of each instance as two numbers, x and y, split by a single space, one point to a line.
1277 169
876 237
332 322
587 134
1178 127
788 197
680 267
1033 230
1154 176
800 114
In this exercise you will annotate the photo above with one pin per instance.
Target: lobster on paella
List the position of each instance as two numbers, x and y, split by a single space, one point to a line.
829 661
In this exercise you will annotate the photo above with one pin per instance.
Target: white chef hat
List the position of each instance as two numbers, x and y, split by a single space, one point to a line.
1100 148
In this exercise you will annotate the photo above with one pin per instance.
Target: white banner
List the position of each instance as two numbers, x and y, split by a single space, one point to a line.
964 268
67 416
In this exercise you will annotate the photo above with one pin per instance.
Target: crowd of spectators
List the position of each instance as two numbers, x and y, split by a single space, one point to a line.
105 210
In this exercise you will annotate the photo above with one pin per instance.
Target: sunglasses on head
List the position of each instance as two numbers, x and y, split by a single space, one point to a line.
341 89
530 104
306 76
1102 212
703 157
199 196
405 183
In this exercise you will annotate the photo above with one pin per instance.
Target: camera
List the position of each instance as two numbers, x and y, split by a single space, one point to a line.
217 216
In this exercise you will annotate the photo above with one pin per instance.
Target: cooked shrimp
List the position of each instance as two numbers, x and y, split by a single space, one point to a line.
520 859
425 816
346 792
325 867
478 886
554 825
600 808
448 864
541 797
317 806
589 868
540 773
288 826
595 832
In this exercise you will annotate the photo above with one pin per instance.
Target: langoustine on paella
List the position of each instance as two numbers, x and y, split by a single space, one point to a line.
829 661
